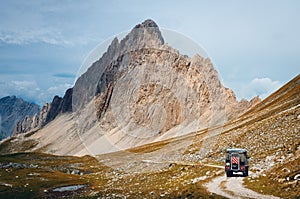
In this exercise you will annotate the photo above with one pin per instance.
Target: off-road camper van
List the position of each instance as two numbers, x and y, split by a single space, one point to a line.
236 161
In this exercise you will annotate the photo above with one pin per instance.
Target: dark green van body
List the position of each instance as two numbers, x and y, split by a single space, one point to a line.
236 161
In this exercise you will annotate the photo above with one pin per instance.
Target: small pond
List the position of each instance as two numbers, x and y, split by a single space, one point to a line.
69 188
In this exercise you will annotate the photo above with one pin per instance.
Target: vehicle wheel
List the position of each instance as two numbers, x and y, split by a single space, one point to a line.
228 173
245 173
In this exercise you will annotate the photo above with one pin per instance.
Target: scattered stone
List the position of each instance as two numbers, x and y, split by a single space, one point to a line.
17 166
219 172
286 170
6 184
75 172
297 177
195 180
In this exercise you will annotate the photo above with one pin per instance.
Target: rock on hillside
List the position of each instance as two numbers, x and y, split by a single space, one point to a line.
13 109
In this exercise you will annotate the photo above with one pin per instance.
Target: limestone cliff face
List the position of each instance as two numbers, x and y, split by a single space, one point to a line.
141 90
32 123
144 89
235 108
145 35
60 105
48 113
160 90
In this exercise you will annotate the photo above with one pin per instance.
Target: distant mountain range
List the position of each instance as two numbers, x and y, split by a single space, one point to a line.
12 110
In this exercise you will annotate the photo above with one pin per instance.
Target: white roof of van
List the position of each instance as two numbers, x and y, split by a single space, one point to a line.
236 150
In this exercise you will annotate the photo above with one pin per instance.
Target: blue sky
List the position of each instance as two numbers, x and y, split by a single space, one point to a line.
253 44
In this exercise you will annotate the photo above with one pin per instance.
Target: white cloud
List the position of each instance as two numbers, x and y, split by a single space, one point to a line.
261 87
46 36
54 90
25 85
30 91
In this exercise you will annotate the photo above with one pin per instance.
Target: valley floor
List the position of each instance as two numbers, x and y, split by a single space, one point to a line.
34 175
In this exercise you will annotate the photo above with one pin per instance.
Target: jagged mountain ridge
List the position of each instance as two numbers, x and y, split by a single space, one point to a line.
145 35
12 110
48 112
141 90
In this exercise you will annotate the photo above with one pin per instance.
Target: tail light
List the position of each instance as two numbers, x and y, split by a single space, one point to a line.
227 166
243 168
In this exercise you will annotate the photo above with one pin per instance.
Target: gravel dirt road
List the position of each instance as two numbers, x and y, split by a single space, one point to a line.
233 187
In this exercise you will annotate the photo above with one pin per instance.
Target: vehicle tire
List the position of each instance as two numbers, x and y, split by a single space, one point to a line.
229 173
245 173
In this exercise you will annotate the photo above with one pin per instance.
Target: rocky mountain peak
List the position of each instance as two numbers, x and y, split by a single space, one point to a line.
144 35
147 23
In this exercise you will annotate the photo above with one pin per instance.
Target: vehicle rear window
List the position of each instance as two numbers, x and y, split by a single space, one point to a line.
243 158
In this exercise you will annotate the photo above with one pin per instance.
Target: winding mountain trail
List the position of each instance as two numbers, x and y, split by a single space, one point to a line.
233 188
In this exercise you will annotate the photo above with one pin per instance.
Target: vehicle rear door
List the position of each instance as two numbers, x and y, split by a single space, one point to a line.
235 162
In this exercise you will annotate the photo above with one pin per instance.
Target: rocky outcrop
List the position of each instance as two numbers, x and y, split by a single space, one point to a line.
48 113
60 105
66 104
29 123
13 109
54 109
236 108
